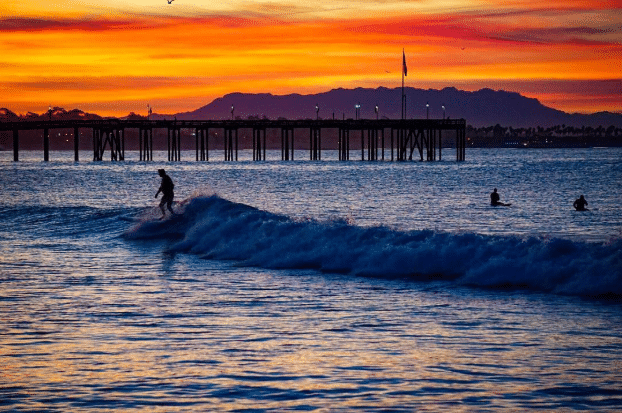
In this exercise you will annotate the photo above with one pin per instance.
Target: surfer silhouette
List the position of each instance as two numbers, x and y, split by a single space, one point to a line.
580 204
494 199
166 187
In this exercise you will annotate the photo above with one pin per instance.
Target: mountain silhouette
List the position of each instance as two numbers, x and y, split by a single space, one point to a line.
480 108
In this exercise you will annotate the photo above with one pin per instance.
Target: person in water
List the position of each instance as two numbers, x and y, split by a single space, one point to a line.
494 198
580 204
166 187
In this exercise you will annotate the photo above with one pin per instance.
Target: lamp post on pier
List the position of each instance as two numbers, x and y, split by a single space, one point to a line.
357 111
232 118
427 110
317 111
376 112
443 111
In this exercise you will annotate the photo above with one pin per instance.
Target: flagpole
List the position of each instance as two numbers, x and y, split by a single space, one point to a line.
404 73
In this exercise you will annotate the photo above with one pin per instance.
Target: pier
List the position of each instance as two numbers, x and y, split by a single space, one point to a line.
380 139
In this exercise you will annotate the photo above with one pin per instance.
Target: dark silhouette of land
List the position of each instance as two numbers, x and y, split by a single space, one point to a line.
495 118
481 108
558 136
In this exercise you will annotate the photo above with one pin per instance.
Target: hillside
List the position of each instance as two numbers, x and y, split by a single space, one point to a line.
480 108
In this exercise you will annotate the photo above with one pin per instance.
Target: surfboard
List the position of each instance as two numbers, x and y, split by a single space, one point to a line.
176 216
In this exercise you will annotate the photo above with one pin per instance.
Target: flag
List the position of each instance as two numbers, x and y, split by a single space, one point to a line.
404 68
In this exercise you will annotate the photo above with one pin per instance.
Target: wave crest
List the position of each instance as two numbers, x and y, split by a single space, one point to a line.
215 228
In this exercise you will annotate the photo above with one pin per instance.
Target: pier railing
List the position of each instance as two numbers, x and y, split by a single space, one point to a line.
402 137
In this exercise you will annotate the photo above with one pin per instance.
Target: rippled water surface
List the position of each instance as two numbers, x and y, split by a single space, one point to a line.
96 320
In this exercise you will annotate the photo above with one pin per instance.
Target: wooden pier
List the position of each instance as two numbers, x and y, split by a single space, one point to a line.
403 138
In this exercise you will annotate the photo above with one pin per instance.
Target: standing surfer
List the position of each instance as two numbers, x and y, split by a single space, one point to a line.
166 187
580 204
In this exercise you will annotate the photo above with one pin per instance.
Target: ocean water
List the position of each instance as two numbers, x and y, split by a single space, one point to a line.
312 285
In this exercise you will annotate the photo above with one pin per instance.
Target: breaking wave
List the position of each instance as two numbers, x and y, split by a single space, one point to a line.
215 228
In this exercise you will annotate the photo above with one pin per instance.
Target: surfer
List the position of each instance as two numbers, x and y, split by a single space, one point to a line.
166 187
494 199
580 204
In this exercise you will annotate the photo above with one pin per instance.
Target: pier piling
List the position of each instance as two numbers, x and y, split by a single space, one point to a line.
202 143
315 144
76 144
174 143
344 144
231 144
287 144
259 144
46 144
145 144
15 145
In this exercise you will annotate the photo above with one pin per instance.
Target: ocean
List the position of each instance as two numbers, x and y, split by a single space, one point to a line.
312 285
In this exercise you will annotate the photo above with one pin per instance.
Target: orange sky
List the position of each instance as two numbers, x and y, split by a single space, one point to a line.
114 57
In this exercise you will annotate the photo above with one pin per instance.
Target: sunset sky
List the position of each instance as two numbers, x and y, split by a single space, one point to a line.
114 57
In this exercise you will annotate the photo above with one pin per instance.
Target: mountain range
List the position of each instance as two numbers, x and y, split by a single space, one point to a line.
485 107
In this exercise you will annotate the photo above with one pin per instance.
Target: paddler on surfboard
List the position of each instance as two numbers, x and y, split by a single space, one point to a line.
580 204
166 187
494 199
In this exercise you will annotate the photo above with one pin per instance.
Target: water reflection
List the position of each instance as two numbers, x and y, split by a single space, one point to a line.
94 323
